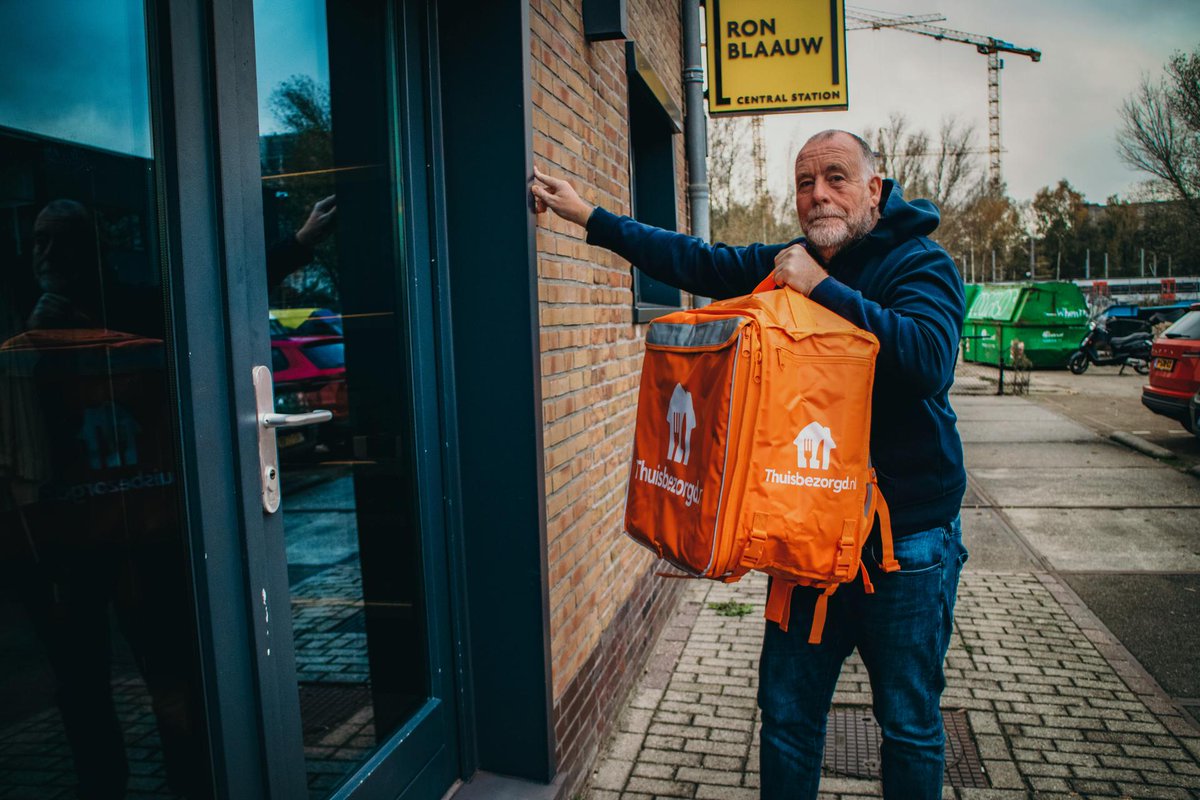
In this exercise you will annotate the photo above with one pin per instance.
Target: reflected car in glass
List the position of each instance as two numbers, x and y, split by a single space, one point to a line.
310 373
1175 370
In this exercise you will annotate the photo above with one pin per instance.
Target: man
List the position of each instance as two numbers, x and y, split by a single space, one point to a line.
293 252
865 256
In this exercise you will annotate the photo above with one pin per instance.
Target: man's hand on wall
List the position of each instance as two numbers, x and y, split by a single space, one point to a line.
794 267
560 197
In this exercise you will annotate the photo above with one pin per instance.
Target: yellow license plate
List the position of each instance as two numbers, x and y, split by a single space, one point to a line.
1164 364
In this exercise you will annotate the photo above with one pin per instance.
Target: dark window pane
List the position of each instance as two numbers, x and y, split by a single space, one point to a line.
100 694
326 356
279 361
349 500
652 152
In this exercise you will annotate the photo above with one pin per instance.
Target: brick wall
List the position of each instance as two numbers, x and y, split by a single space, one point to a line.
606 605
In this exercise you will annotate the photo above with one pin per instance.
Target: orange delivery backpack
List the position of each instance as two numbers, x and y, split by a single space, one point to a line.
751 447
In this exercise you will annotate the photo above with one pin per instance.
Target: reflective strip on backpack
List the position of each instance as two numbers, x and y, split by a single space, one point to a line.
693 337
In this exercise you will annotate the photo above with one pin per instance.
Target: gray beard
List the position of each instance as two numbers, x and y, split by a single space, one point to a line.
837 238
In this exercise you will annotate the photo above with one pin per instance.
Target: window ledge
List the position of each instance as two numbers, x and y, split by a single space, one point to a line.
643 312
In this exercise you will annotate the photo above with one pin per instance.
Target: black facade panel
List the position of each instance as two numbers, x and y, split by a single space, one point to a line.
487 138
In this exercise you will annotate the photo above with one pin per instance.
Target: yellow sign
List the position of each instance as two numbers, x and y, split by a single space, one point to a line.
776 55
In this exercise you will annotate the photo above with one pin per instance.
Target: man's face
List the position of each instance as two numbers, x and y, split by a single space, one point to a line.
835 200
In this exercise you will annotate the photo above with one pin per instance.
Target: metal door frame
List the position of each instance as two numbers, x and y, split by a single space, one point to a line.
206 128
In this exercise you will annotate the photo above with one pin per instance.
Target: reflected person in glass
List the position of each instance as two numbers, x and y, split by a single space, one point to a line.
87 470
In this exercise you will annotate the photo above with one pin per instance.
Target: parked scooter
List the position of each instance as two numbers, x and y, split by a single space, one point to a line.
1102 349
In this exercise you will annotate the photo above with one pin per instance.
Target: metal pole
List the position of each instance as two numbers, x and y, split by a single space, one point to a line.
1087 265
1105 265
993 266
1058 267
1032 266
695 125
1143 262
1154 265
1000 354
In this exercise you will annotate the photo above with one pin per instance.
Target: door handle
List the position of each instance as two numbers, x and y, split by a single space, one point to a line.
273 420
268 422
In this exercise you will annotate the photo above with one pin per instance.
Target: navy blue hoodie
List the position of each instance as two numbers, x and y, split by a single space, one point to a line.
895 283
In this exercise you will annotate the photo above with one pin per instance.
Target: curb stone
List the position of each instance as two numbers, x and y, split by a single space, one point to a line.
1141 445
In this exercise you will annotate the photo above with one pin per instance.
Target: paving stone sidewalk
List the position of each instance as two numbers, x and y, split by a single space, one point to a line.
1056 707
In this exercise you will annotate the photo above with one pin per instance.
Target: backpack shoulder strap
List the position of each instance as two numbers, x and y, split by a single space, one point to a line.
819 611
779 603
779 607
877 505
890 564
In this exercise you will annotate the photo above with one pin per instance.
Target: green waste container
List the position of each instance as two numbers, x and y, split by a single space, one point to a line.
972 291
1049 318
968 331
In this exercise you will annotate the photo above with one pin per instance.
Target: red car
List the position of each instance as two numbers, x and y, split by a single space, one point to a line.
310 373
1175 370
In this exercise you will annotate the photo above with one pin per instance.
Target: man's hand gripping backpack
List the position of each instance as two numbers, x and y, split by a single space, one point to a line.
751 446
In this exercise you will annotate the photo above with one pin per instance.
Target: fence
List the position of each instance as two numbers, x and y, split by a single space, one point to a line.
1008 374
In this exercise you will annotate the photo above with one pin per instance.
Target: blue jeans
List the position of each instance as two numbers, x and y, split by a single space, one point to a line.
902 632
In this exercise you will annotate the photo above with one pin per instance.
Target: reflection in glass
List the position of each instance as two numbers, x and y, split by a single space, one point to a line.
76 72
99 689
332 248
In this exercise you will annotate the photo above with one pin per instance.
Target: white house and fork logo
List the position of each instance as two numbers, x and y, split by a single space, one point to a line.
812 440
681 417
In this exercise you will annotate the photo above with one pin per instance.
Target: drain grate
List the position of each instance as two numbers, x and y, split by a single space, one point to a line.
852 747
325 706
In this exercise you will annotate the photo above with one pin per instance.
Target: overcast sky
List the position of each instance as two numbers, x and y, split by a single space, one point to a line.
1058 117
76 71
290 39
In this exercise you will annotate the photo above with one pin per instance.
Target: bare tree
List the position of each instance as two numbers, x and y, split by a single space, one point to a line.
1160 131
299 178
955 172
987 222
944 170
729 155
301 105
738 215
902 154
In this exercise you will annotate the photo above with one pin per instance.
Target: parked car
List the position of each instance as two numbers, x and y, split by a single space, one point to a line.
1175 370
1194 413
310 373
308 321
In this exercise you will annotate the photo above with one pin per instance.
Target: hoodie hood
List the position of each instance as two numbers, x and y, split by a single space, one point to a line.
899 221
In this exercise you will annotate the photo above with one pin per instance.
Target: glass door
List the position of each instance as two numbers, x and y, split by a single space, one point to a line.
131 662
101 694
357 486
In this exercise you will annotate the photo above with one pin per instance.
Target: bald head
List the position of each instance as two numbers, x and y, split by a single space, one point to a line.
864 149
837 191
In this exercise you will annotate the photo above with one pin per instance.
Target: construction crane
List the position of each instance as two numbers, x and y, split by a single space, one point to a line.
989 46
858 19
758 151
